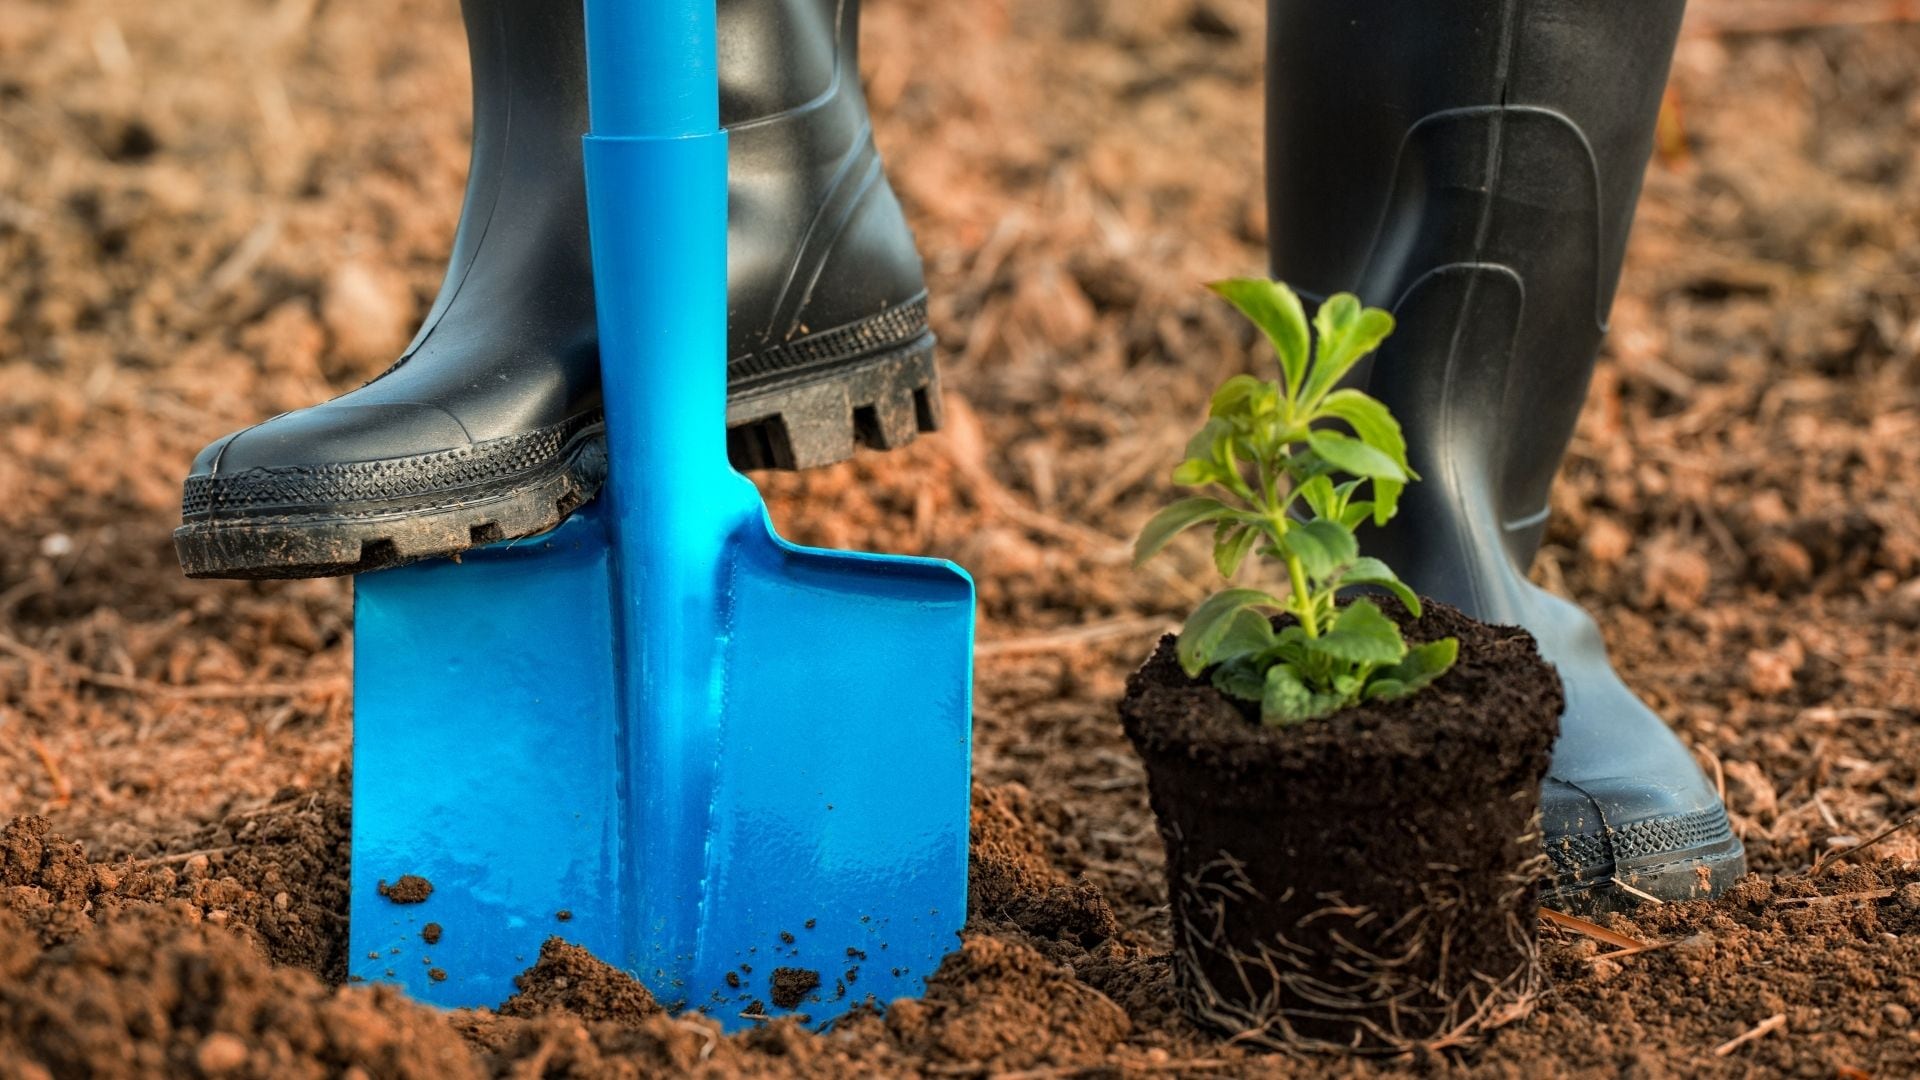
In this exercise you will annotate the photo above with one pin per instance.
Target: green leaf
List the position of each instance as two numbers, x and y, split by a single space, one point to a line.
1361 634
1175 520
1323 547
1194 472
1379 689
1356 514
1376 427
1228 554
1386 499
1210 441
1249 634
1241 677
1347 331
1321 497
1423 664
1277 311
1371 421
1211 622
1234 395
1368 570
1289 646
1350 455
1286 700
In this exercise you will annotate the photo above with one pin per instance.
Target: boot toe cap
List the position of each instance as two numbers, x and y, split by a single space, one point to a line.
335 434
315 457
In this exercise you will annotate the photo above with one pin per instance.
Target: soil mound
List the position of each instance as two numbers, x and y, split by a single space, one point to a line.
569 979
988 1000
151 992
276 874
1012 880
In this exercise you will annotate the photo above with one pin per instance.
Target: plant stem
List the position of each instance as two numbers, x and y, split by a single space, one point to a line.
1302 599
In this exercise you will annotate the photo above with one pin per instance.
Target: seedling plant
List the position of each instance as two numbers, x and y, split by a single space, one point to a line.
1292 467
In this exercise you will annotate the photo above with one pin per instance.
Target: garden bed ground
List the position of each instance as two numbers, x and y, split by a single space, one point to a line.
210 212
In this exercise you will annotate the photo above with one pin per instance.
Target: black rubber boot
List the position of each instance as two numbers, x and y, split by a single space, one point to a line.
488 427
1474 165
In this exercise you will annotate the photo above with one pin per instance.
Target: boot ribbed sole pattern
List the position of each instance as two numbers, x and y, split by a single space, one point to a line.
809 403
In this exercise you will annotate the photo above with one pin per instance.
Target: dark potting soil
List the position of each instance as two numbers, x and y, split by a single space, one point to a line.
410 889
791 986
1369 879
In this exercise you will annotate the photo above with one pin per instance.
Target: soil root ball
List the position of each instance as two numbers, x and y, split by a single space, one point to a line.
1368 881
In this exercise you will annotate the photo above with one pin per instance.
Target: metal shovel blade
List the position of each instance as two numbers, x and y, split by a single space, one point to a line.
824 813
837 842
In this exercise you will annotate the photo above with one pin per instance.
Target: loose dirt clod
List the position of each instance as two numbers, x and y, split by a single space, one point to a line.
790 986
410 889
569 979
430 933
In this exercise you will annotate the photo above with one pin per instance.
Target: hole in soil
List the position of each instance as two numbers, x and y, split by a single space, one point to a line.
866 427
486 533
137 142
1715 290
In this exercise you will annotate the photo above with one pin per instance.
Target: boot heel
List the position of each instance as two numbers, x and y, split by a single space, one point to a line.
880 401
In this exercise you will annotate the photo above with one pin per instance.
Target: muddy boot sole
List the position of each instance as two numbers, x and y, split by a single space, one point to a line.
1667 859
363 516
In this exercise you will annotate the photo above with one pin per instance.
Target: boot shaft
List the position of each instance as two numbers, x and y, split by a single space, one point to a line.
1473 165
818 242
775 56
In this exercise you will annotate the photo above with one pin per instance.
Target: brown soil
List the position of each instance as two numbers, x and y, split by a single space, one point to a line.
1369 881
408 889
211 212
790 986
569 979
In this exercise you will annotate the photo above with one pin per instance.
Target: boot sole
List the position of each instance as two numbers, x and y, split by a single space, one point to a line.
1691 857
361 517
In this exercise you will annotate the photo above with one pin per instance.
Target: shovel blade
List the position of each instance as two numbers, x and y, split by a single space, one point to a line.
494 758
487 759
839 837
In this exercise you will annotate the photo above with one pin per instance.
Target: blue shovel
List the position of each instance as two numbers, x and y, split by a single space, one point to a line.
734 767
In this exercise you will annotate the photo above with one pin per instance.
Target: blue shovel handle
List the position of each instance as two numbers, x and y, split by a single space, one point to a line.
651 68
656 169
